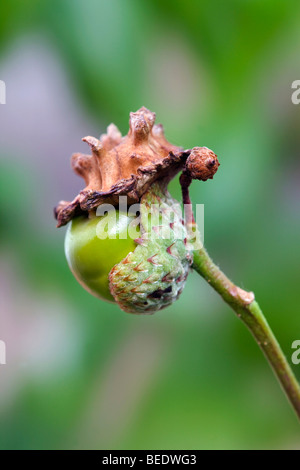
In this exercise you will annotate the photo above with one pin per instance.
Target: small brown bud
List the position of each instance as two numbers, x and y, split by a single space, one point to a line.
202 163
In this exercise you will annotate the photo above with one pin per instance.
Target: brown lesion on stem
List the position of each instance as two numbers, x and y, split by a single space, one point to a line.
241 295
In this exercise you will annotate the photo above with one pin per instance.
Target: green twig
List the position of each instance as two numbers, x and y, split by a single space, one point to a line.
248 310
243 303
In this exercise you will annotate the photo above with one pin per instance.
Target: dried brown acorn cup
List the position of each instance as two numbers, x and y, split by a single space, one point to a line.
147 272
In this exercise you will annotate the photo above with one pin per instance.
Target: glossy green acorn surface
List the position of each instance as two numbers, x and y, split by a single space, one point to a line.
91 258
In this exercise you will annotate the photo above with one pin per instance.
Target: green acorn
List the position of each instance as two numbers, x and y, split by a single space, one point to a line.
148 272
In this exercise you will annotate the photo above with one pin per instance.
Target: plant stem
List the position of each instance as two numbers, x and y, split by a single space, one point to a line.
248 310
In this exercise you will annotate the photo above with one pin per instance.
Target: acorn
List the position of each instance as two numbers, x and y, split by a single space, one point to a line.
139 258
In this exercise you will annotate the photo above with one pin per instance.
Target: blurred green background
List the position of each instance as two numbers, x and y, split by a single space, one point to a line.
80 373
